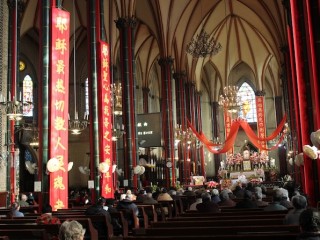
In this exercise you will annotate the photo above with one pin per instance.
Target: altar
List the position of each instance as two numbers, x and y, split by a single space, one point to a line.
248 174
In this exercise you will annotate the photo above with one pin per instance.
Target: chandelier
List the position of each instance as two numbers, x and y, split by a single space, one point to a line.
116 89
34 143
185 136
76 126
230 99
202 45
13 108
117 132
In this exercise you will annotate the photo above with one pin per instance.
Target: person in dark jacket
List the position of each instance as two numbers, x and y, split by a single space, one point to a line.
309 222
207 205
299 203
247 201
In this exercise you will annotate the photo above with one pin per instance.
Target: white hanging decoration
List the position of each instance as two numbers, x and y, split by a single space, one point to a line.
103 167
53 165
70 165
311 152
114 166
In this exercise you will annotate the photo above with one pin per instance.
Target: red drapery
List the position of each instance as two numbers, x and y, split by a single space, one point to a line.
229 142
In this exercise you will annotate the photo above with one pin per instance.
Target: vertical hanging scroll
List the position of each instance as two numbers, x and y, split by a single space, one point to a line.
261 125
59 97
105 124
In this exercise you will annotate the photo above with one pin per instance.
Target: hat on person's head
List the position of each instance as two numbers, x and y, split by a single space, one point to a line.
189 188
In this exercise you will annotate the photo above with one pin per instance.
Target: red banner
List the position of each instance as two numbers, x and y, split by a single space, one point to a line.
105 125
227 125
261 125
59 102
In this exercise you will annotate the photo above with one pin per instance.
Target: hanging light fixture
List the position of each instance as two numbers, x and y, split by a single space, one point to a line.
76 126
13 108
116 90
230 99
203 45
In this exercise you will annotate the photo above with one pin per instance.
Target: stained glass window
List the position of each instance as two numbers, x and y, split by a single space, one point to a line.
248 109
86 96
27 96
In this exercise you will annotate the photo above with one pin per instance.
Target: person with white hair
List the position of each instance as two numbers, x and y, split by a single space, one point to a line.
127 206
23 202
71 230
299 203
225 199
285 201
258 197
215 196
275 205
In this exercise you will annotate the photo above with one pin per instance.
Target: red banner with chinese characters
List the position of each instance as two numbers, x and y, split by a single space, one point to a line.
105 123
58 98
261 125
227 125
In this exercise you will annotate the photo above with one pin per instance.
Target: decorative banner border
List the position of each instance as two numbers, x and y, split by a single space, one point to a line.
59 106
105 124
261 125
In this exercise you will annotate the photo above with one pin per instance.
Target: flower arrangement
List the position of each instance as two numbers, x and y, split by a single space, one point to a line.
212 184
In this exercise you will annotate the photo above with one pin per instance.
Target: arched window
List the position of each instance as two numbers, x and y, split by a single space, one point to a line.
27 96
248 109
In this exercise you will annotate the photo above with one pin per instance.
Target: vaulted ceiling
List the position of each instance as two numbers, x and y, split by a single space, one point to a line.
251 32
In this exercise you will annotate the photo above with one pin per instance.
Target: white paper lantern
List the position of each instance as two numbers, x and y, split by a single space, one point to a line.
311 152
137 169
53 165
114 166
103 167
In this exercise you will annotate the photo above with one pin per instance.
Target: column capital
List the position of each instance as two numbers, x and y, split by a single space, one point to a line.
126 22
165 61
260 93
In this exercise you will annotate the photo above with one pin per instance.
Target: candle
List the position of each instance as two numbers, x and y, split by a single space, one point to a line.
20 96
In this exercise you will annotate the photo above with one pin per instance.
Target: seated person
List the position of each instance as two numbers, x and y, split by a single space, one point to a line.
299 203
46 216
98 209
309 222
242 178
23 202
193 206
130 209
275 205
14 210
247 201
258 197
71 230
207 205
225 199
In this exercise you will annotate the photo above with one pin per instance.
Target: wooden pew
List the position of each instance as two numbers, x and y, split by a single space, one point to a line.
99 222
24 234
52 229
211 223
124 223
240 212
266 236
228 217
222 230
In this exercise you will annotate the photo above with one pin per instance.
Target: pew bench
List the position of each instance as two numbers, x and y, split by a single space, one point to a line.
25 234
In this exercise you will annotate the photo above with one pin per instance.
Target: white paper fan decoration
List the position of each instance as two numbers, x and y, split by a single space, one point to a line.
31 167
84 170
311 152
53 165
70 165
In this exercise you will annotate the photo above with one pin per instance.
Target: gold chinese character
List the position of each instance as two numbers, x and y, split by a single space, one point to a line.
61 24
107 175
107 149
59 104
106 122
105 63
106 110
60 66
108 161
107 189
105 75
61 162
105 50
106 98
58 183
60 86
59 205
59 123
59 144
106 135
61 45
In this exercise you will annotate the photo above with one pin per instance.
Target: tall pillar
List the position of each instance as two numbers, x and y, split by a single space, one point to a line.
167 114
145 92
93 96
4 35
43 116
126 28
181 121
199 150
215 132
